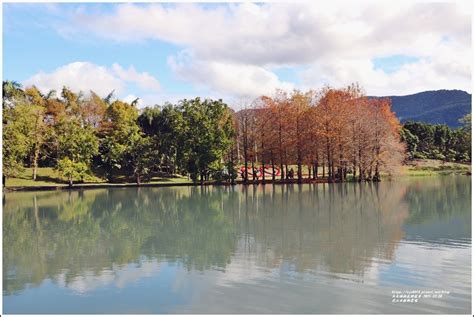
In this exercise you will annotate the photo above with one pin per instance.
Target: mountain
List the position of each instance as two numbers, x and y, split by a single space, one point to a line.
438 106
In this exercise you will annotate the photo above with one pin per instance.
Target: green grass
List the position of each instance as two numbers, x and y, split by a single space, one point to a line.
49 177
434 167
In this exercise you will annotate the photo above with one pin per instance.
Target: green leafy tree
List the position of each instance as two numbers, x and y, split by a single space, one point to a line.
165 127
76 146
466 122
207 135
16 139
76 142
464 137
125 148
462 145
120 124
72 170
438 141
140 156
38 127
37 135
425 134
410 140
24 130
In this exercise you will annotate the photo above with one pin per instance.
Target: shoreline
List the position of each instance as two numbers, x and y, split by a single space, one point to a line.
181 184
132 185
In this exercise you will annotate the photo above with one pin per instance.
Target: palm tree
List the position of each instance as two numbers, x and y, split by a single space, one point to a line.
11 91
108 99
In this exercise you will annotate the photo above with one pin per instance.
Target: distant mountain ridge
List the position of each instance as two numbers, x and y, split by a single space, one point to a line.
436 106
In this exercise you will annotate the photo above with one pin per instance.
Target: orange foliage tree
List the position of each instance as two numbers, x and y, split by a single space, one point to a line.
340 131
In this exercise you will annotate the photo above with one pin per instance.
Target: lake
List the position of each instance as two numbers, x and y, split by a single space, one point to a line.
401 246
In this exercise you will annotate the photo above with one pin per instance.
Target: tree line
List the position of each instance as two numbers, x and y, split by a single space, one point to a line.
334 133
340 131
438 141
79 134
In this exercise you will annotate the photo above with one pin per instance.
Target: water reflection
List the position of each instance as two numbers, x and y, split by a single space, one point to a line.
87 239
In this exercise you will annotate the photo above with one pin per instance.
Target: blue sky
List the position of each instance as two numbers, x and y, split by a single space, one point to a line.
32 44
392 63
165 52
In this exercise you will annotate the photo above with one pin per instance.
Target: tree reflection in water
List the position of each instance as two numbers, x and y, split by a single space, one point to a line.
339 229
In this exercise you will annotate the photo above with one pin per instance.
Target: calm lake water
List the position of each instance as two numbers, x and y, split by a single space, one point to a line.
325 248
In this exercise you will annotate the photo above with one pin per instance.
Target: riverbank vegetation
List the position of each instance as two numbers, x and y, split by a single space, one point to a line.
49 177
321 135
438 141
428 167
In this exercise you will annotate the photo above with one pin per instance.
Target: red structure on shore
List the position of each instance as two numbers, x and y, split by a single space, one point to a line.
259 171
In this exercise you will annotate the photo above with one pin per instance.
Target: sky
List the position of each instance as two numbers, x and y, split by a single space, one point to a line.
237 51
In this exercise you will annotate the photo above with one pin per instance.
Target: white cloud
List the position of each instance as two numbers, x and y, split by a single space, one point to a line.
233 48
425 74
119 276
243 80
78 76
84 76
144 80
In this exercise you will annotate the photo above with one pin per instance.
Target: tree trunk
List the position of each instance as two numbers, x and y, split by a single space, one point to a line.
246 141
300 174
282 174
377 173
70 182
328 156
341 168
246 165
263 171
253 171
35 161
138 179
263 160
273 167
299 160
332 169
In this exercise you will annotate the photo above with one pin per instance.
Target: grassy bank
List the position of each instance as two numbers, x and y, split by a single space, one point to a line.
434 167
49 177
